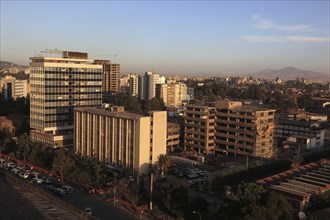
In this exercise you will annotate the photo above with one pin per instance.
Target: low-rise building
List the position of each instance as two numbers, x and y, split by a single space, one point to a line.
286 127
120 138
13 88
299 184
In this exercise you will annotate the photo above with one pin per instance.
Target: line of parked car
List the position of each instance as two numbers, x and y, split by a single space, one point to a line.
50 183
187 172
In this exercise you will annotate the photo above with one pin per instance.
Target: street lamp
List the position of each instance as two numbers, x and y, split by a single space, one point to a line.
54 165
114 193
200 216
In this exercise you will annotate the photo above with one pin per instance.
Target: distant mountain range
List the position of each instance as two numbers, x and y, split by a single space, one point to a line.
7 65
289 73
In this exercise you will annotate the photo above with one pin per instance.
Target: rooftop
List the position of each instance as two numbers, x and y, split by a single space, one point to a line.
301 182
102 111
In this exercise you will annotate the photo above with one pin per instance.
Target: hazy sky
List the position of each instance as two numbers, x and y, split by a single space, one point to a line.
209 37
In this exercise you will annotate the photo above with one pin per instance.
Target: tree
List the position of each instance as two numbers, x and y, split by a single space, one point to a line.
153 104
200 204
252 201
163 163
305 101
175 199
277 207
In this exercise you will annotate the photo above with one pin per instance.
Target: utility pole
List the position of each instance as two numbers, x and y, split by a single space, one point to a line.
151 186
247 162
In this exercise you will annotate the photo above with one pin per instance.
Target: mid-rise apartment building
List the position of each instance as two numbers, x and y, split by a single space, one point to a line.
13 88
57 86
120 138
110 79
173 94
231 128
244 130
173 136
199 123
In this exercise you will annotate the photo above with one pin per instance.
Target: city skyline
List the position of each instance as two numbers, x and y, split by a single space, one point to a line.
215 37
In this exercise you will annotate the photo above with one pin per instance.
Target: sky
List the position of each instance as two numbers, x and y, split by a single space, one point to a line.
173 37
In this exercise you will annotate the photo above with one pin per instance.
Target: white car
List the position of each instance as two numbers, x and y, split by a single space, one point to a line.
37 180
88 210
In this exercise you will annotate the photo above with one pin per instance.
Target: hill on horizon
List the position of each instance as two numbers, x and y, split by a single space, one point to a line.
289 73
6 65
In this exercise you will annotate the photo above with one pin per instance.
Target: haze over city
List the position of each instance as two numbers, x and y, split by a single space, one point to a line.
186 37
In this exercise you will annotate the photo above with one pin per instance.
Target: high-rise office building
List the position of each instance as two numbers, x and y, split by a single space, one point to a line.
13 88
141 87
57 86
150 84
134 84
110 79
121 138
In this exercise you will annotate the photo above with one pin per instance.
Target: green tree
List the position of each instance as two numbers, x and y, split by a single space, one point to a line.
175 199
130 103
153 104
200 204
305 101
163 163
252 201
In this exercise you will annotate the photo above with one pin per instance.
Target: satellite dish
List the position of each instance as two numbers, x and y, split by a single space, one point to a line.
301 215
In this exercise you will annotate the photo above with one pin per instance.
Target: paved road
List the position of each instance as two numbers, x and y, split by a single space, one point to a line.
101 209
17 203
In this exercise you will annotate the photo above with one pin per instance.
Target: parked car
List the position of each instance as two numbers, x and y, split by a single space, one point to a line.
47 180
59 191
68 189
11 165
37 180
35 174
16 171
88 210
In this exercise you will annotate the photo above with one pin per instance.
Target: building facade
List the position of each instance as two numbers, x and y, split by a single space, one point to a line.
13 88
121 138
244 130
134 84
173 94
110 79
57 86
286 128
173 136
199 123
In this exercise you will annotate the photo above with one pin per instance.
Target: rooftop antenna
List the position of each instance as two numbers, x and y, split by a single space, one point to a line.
52 53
